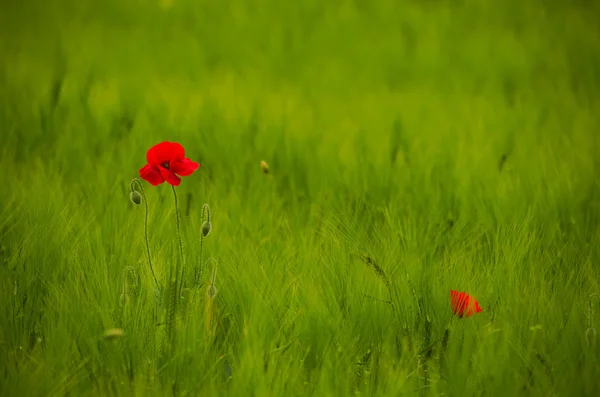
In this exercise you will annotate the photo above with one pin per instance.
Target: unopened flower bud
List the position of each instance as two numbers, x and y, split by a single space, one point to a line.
206 228
211 291
135 197
590 336
123 299
264 167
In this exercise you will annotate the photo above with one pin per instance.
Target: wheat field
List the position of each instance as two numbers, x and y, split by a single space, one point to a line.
413 147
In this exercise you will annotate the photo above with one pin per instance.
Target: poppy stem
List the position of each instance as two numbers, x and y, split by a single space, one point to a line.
198 272
178 232
211 292
591 309
139 183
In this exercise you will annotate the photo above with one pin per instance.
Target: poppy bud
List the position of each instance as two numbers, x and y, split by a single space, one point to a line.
590 337
206 228
135 197
123 299
211 291
264 167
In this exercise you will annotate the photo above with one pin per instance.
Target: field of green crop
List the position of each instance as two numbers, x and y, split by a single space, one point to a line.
414 147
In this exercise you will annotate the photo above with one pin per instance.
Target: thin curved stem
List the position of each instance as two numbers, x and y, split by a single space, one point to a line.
198 272
177 221
179 237
139 183
211 292
214 272
591 309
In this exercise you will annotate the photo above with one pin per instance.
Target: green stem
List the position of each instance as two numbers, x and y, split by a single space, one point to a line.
179 236
198 275
591 309
139 183
198 272
211 291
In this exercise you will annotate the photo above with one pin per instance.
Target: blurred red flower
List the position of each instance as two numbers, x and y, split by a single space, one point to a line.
167 162
463 305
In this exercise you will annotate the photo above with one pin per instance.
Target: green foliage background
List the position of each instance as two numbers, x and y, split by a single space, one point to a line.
453 143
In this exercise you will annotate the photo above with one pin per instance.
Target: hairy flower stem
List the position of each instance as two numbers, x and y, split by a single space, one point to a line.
211 292
198 272
182 264
591 309
590 333
139 183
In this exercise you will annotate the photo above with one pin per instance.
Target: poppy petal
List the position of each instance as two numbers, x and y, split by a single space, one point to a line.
469 307
473 307
151 175
456 301
164 152
463 304
183 167
169 176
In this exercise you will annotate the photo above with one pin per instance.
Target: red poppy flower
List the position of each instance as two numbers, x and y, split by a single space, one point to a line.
463 305
167 162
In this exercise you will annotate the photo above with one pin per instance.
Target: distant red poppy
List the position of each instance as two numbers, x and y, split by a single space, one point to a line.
166 162
463 305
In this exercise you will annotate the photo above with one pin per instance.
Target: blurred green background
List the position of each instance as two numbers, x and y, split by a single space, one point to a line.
454 142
